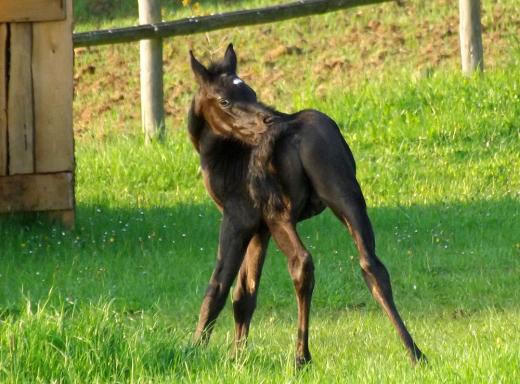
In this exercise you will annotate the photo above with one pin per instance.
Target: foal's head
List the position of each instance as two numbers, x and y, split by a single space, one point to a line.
226 102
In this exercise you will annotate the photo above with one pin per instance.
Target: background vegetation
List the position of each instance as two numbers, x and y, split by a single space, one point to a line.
116 300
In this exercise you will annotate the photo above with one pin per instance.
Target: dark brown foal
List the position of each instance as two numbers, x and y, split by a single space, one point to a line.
267 171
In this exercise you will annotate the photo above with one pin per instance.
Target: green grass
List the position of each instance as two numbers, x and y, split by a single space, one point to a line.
117 299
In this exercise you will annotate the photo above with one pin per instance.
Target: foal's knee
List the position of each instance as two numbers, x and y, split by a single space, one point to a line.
376 275
217 294
371 265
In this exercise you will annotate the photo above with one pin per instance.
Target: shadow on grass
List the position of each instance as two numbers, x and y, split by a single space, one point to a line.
457 256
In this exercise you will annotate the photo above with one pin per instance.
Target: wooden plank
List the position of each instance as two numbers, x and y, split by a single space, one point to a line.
37 192
151 75
3 101
202 24
471 51
31 10
20 119
52 65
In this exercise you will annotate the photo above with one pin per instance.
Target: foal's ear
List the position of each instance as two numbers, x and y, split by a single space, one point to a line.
200 71
230 59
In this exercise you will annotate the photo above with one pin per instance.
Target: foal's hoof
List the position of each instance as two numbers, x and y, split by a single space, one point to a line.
237 351
419 358
302 361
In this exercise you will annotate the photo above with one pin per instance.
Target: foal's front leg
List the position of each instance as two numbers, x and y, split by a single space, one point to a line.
235 234
301 269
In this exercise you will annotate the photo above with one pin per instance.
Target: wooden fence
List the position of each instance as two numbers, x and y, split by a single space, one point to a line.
202 24
151 68
151 33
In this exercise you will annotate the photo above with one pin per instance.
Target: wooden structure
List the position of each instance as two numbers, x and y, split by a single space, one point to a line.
36 87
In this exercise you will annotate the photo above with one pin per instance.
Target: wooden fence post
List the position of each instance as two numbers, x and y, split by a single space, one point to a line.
152 95
470 36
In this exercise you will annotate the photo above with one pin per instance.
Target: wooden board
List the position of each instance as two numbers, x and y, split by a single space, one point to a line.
31 10
20 121
37 192
3 101
52 68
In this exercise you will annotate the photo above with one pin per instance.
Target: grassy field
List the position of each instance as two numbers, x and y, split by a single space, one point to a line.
438 158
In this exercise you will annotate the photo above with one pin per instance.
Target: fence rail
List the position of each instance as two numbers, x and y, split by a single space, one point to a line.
201 24
472 57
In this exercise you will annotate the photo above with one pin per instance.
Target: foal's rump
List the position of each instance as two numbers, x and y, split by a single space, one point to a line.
326 157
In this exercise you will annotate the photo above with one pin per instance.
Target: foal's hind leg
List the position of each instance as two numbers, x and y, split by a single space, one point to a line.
352 212
245 292
301 269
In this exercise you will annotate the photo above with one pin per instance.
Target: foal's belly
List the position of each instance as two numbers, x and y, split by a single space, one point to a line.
305 202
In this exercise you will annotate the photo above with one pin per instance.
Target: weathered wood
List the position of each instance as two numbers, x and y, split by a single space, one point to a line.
3 100
194 25
52 67
471 50
152 94
36 192
31 10
20 118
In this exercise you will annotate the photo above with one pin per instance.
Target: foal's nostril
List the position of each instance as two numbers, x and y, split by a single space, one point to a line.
268 119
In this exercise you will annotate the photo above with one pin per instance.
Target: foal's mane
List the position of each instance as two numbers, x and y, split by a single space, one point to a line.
217 67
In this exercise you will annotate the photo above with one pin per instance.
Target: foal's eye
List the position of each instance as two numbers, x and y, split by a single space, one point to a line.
224 102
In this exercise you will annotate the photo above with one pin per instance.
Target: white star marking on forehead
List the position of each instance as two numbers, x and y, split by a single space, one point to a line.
237 81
